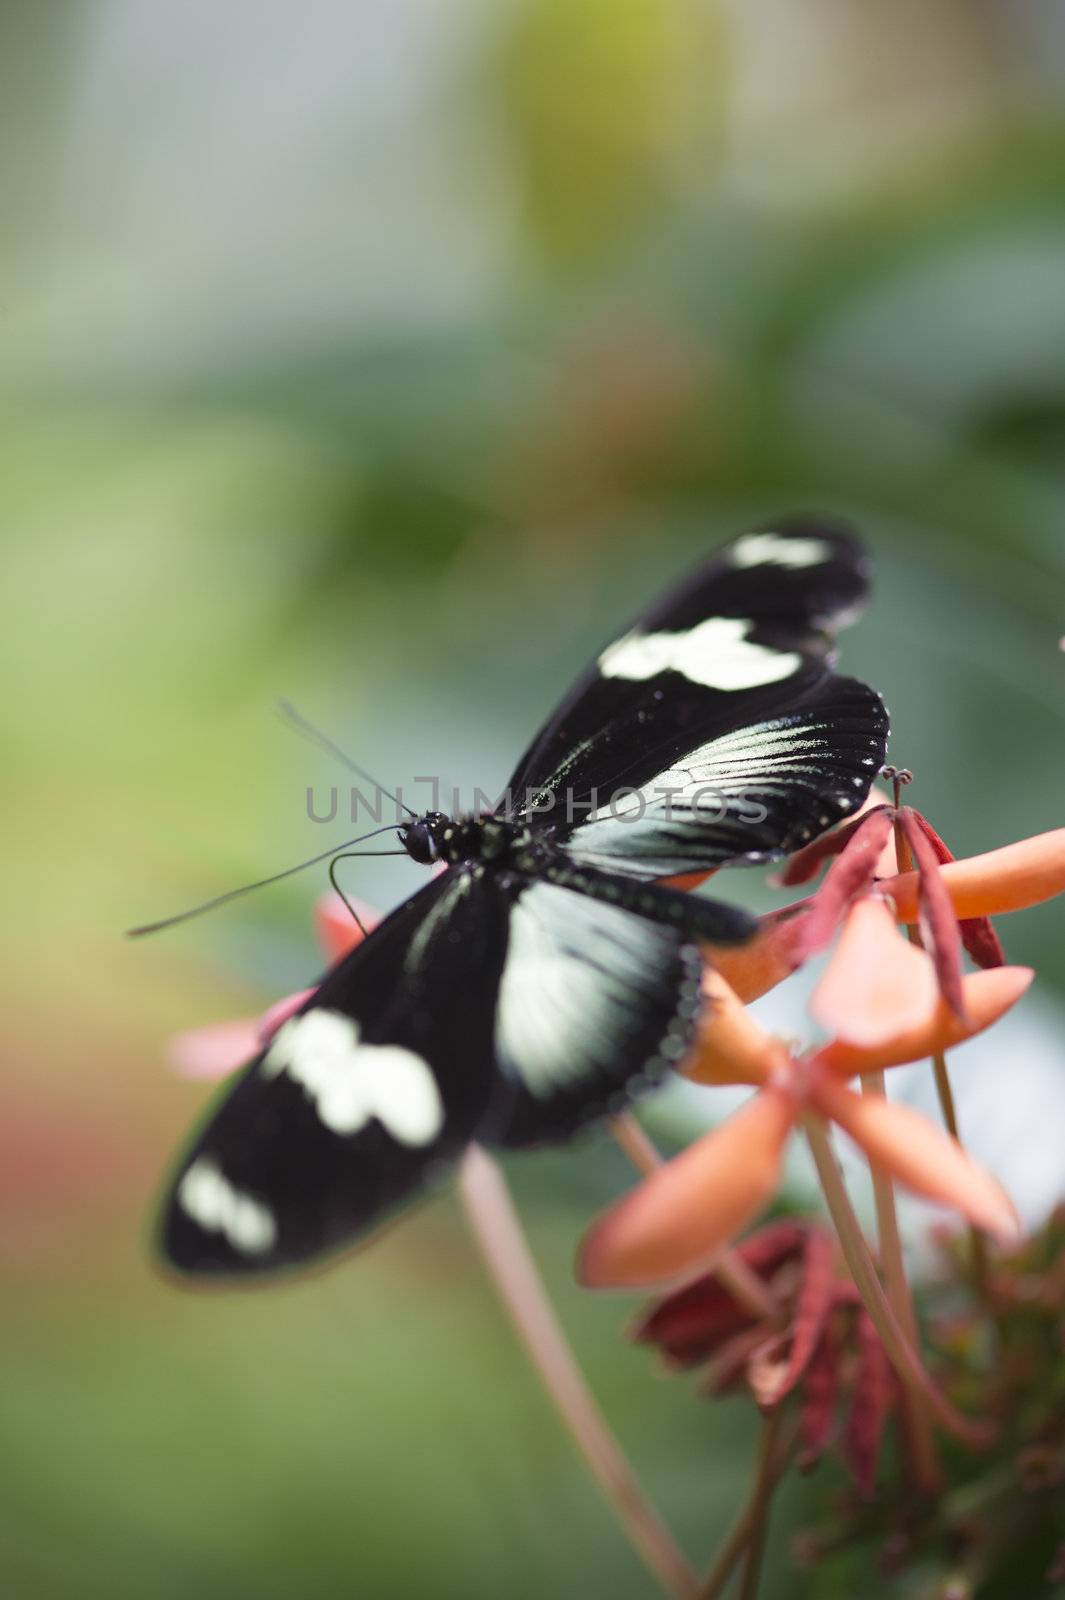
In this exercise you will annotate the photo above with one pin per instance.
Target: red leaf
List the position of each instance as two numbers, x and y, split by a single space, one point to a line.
982 942
870 1405
771 1383
690 1325
940 925
939 845
693 1323
977 934
727 1371
847 878
803 865
767 1249
820 1391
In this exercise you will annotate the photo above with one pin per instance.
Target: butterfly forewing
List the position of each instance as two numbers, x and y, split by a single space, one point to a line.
756 792
359 1100
733 665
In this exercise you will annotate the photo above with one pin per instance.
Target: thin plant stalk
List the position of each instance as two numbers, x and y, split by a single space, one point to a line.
766 1480
918 1431
501 1240
742 1282
946 1095
900 1351
761 1499
636 1143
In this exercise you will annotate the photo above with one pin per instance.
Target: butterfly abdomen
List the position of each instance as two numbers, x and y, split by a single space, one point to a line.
689 914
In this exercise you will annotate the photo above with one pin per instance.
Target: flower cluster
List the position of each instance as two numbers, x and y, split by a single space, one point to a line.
811 1339
885 1000
817 1326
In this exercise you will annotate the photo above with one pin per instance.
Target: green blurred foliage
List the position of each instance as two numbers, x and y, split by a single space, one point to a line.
605 101
386 358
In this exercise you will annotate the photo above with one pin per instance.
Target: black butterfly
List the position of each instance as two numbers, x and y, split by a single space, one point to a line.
545 978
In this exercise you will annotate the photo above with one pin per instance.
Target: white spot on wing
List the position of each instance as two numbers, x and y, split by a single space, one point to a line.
760 549
350 1081
716 653
206 1195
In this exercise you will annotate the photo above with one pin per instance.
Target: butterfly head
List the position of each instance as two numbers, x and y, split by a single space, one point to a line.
423 838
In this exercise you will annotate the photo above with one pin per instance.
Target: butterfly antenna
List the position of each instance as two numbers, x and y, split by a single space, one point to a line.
234 894
298 723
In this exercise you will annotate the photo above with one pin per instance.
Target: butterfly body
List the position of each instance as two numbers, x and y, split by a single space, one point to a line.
548 975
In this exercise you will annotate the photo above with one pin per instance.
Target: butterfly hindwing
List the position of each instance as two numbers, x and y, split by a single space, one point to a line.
733 666
360 1099
595 1004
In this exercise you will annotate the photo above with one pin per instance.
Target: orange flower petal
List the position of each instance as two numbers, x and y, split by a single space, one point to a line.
337 930
877 984
687 880
732 1048
766 960
674 1223
280 1012
1018 875
918 1154
215 1050
987 996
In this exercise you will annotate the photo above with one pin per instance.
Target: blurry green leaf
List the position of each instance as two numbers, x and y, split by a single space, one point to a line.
607 101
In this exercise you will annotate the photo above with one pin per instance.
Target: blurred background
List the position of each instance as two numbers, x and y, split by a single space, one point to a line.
386 355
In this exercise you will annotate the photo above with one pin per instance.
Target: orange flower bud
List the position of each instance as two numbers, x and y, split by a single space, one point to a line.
1018 875
731 1048
338 932
766 960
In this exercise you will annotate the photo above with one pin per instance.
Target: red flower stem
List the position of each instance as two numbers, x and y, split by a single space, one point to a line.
741 1281
900 1352
944 1092
501 1239
904 860
770 1470
918 1431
